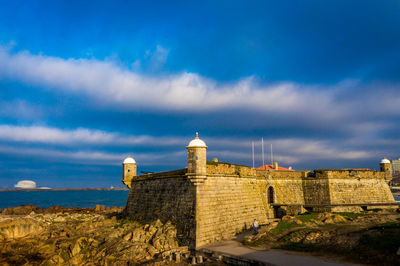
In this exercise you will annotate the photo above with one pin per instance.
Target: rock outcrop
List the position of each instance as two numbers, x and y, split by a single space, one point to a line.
370 237
85 238
30 208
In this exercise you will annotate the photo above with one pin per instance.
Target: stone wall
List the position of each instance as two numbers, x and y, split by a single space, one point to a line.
359 191
229 169
287 187
287 191
170 198
208 208
316 192
227 205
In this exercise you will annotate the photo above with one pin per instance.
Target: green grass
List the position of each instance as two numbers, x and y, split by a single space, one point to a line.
302 232
385 238
386 226
284 226
351 215
307 217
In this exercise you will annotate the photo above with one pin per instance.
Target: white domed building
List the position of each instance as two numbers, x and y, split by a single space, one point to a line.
25 184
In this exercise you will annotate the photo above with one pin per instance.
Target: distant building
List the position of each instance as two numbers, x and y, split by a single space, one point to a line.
396 165
24 184
274 167
396 171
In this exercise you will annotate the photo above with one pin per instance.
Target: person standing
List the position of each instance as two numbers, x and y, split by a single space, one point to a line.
255 226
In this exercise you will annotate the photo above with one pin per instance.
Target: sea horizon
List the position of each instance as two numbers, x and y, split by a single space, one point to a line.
64 198
64 189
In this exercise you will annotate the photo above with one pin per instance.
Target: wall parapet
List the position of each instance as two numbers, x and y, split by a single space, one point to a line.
166 174
229 169
298 175
348 174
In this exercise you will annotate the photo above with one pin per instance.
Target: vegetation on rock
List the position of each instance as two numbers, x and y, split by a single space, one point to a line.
369 237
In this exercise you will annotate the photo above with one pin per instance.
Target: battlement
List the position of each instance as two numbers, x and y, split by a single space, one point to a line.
347 174
221 168
292 175
164 174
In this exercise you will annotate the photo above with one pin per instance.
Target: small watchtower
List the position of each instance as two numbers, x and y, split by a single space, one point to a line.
197 157
386 166
129 170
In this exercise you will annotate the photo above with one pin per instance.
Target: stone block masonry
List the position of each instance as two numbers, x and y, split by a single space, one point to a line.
171 198
226 206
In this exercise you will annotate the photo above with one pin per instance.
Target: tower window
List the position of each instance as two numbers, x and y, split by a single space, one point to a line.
129 170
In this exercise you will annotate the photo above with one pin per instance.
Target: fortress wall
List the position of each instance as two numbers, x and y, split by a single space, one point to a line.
359 191
283 174
229 169
166 174
168 199
346 174
287 191
316 191
227 205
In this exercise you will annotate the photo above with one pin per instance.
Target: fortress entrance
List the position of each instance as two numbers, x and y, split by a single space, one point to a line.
270 195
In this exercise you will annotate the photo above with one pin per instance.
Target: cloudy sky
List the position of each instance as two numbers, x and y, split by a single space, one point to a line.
85 83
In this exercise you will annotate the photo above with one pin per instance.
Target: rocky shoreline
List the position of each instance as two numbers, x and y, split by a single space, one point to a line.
32 209
30 235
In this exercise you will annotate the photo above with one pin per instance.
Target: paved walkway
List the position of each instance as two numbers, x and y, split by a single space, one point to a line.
270 257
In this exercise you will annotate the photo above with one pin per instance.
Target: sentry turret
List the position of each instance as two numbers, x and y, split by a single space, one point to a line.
129 170
197 156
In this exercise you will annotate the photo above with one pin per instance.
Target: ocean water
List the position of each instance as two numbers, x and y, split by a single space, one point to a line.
45 199
83 199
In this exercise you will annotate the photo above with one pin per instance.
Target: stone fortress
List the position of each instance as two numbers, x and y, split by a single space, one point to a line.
209 200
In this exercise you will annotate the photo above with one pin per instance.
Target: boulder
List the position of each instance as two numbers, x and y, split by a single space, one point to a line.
312 237
99 208
20 227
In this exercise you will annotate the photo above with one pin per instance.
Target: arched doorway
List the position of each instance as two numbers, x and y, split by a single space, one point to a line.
270 195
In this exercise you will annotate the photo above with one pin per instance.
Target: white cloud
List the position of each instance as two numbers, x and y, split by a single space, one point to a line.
343 104
114 85
287 150
41 134
94 157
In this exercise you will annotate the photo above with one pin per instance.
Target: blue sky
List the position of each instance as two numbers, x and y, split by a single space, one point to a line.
85 83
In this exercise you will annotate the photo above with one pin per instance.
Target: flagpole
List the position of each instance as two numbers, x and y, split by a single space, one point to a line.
262 151
252 151
272 158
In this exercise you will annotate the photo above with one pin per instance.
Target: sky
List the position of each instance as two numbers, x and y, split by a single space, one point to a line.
83 84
